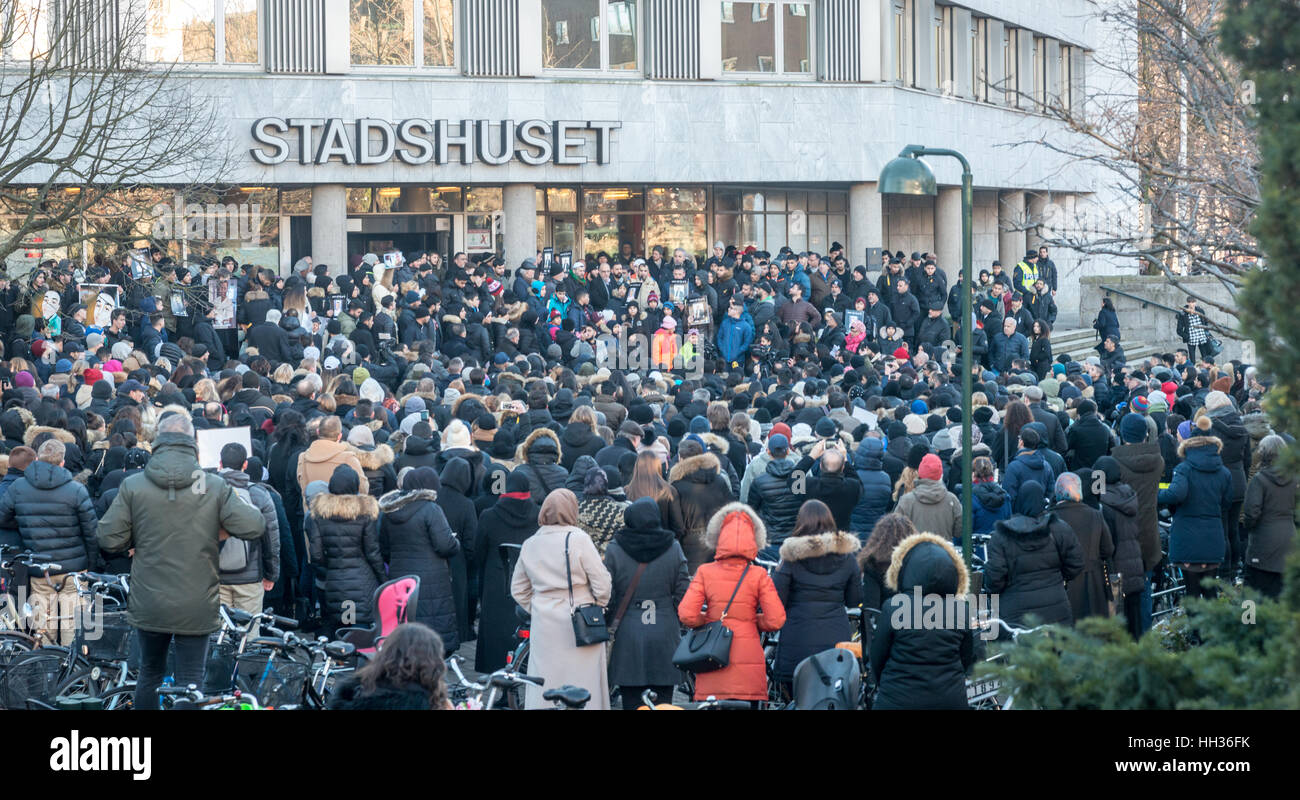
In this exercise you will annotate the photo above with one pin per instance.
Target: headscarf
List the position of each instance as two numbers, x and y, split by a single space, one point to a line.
1068 488
560 508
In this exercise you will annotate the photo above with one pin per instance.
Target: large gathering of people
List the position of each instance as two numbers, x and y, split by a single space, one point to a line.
765 439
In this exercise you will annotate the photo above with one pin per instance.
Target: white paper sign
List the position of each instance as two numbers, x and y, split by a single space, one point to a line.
211 441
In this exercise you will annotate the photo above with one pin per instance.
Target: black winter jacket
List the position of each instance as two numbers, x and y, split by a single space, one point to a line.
1029 561
344 542
877 496
54 516
461 515
415 539
818 578
1119 507
510 521
1087 440
772 497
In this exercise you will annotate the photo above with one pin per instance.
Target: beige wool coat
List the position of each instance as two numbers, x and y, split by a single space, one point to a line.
540 586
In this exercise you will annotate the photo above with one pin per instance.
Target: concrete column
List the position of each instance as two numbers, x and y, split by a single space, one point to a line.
866 222
329 226
947 231
519 207
1011 242
1036 214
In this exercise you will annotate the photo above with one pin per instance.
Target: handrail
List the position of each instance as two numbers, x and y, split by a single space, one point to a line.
1147 302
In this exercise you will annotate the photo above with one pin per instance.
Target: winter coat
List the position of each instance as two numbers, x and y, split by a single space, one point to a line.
1055 438
539 460
1257 426
416 452
648 634
702 491
263 553
349 695
773 498
462 518
840 492
174 574
541 585
1270 519
601 516
415 539
54 516
923 666
877 492
1089 592
932 508
579 440
510 521
318 461
817 579
739 533
990 504
1199 494
344 544
1087 440
1028 465
1227 426
1141 467
1119 508
1029 560
377 469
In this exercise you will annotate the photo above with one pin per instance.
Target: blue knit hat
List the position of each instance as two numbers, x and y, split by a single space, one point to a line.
919 407
1133 428
699 425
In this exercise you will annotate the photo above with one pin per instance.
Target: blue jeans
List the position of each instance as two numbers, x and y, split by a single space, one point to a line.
1148 603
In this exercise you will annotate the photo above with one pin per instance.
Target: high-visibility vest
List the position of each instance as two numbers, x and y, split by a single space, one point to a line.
1030 275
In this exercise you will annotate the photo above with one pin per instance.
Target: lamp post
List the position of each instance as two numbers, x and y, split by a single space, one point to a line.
908 174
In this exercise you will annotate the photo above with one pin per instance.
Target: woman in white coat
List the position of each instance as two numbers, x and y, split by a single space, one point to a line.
541 586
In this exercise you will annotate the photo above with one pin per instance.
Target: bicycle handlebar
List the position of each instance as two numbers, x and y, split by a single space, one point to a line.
505 679
723 705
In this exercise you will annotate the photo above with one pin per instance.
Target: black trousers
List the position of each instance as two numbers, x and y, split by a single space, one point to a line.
1269 584
1192 580
191 657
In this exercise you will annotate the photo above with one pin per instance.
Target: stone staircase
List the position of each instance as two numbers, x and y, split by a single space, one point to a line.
1079 343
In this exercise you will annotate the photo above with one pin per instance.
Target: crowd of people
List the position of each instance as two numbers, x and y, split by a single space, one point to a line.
792 451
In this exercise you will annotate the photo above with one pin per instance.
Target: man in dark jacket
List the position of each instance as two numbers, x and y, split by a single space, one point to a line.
270 339
1055 434
876 497
1141 467
1007 346
175 572
1028 465
773 495
1088 439
243 587
206 335
55 517
833 484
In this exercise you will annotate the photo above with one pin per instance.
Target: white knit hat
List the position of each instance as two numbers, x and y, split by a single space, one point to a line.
1216 400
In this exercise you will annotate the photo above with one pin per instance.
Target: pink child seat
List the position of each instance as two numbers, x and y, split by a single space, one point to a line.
391 606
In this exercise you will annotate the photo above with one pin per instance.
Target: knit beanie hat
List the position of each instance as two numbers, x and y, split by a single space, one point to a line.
1216 399
930 468
919 407
916 455
24 380
1222 384
1133 428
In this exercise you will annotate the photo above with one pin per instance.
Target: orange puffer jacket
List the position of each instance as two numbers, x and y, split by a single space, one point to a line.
738 534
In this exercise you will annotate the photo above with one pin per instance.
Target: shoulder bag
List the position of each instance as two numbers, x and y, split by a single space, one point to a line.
708 647
588 620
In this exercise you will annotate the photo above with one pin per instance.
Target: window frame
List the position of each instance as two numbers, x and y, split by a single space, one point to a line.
417 44
219 43
779 71
604 71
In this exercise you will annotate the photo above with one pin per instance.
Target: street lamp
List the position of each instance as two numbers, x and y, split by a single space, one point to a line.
908 174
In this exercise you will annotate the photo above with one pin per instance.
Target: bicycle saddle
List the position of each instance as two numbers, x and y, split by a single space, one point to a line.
571 696
340 649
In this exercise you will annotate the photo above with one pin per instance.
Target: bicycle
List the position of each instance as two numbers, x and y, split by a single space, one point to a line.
986 694
190 698
500 683
16 635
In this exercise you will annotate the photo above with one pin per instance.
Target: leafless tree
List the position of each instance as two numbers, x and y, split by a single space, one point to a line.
1168 119
91 124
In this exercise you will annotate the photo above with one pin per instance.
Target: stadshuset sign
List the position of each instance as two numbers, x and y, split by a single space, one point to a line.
440 141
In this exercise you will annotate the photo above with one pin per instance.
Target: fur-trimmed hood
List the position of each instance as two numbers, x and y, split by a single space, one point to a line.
398 498
802 548
930 562
690 466
256 294
377 458
61 435
731 540
1199 441
541 450
718 444
344 506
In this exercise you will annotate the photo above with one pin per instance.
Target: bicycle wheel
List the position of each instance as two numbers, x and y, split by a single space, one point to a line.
92 681
119 698
14 644
33 675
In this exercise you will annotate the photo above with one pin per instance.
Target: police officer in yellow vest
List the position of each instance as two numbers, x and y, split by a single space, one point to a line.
1027 273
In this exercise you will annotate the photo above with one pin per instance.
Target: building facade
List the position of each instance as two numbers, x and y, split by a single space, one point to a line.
587 125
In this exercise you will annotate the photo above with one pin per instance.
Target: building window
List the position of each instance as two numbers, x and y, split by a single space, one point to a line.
25 33
902 41
1040 73
979 76
945 74
383 33
439 33
589 34
1067 75
772 219
1010 67
767 37
185 31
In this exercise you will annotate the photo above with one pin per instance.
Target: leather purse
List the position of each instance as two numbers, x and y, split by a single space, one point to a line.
708 647
589 619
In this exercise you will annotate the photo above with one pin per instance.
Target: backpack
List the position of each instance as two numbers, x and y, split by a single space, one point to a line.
234 552
827 681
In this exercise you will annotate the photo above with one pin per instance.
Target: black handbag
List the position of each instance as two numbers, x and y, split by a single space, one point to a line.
588 620
1212 347
708 647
